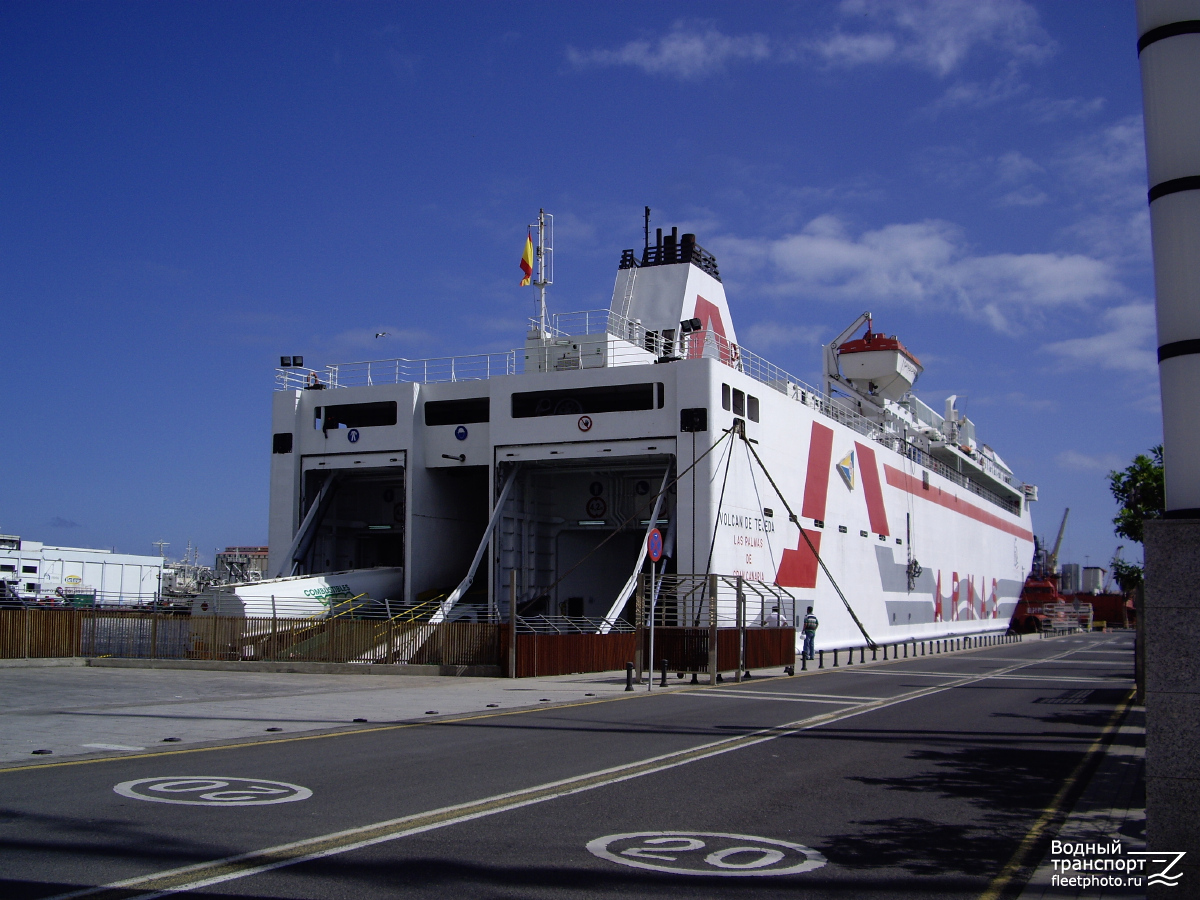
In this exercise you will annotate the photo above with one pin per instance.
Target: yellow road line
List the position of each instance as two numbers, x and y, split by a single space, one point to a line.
1020 859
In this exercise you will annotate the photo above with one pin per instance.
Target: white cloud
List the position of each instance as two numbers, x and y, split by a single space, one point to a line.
857 49
928 265
1127 346
1014 167
687 52
767 335
1045 109
1081 462
937 35
1106 170
979 95
1025 196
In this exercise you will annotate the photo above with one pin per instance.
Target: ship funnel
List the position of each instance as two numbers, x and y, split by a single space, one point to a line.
676 281
951 413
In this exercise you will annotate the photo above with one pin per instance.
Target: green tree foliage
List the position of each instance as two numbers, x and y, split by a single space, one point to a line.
1138 490
1128 575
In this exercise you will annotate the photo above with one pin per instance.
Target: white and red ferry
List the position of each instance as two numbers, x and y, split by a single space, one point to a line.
546 462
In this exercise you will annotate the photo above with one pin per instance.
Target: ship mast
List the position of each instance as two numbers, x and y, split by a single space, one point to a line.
544 276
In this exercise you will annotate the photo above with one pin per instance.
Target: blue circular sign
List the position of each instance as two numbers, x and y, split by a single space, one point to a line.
654 544
352 435
461 432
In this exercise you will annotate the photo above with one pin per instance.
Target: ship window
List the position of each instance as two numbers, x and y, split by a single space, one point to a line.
457 412
281 442
360 415
739 402
842 529
8 568
752 408
28 570
611 398
725 396
925 480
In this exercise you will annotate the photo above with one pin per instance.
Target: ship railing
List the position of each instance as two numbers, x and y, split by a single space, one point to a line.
923 459
569 625
474 367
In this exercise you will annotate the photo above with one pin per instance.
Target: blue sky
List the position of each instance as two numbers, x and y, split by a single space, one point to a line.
189 191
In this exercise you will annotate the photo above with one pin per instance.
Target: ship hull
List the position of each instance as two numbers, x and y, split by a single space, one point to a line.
586 468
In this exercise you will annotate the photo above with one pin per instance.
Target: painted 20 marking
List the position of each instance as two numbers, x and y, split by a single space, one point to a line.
209 791
706 853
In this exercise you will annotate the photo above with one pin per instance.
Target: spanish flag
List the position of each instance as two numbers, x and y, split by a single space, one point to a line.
527 260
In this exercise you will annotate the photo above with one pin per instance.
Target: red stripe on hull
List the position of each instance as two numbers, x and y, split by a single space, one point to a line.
798 568
914 486
816 480
871 487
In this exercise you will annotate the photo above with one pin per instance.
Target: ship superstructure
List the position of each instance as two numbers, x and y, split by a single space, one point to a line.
550 463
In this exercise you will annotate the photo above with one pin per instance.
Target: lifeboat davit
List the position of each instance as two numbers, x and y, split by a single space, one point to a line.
880 365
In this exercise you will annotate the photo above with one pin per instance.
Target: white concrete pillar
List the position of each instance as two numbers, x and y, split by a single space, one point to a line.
1169 626
1169 53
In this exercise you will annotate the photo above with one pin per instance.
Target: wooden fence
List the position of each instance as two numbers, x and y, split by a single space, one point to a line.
686 649
50 633
568 654
47 633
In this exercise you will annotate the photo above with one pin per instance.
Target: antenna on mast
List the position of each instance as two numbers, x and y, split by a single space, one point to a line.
544 278
647 230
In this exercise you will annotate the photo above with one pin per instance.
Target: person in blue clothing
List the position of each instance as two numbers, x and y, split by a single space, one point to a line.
810 633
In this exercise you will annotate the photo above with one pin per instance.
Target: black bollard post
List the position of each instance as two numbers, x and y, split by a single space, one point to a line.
850 657
906 649
663 683
835 662
922 648
695 678
820 659
874 654
862 654
803 663
629 676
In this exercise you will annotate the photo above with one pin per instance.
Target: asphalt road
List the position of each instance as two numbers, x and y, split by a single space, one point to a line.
927 777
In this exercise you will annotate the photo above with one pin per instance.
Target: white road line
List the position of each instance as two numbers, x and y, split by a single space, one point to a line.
1070 662
738 695
754 693
1122 680
111 747
218 871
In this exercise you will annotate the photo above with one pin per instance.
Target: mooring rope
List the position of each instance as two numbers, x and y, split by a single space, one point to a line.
804 534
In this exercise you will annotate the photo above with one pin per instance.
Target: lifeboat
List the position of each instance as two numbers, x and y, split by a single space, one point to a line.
879 365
